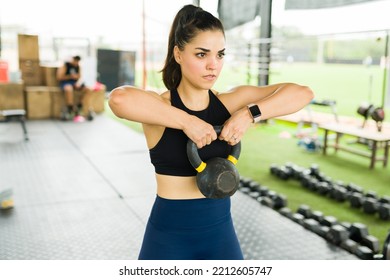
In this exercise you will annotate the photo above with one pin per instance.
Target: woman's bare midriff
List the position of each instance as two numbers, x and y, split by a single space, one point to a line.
175 187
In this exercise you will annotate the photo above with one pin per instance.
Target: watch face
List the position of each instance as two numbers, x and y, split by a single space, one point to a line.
255 111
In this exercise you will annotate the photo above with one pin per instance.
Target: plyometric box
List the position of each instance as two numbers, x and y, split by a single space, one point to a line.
38 99
94 100
49 75
31 72
12 96
28 47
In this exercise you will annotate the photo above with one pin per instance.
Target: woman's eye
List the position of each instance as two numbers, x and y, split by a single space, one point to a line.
201 54
221 55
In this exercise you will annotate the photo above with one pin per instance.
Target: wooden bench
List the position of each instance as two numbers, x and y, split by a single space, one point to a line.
379 140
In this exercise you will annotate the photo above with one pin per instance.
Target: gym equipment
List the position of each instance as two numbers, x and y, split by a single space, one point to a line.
352 187
218 177
356 200
317 215
285 211
304 210
323 231
298 218
384 211
350 245
337 234
311 225
364 253
365 111
372 194
385 199
329 221
357 231
280 201
377 114
267 201
386 248
370 205
371 242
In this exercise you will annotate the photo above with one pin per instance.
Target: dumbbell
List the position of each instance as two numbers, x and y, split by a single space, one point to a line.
273 169
329 221
323 188
371 194
337 234
356 200
305 210
338 193
371 242
385 199
280 201
354 188
285 211
317 215
312 225
384 211
284 173
266 201
370 205
350 245
358 231
364 253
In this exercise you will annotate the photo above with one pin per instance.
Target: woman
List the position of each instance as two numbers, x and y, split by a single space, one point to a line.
183 223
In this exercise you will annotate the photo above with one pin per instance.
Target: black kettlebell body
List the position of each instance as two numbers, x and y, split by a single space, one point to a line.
218 177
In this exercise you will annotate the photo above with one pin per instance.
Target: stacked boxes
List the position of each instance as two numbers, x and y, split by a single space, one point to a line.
28 47
40 94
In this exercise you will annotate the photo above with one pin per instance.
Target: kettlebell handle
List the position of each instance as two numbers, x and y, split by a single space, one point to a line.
196 161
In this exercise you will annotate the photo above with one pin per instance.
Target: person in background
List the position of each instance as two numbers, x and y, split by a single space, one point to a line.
183 223
69 77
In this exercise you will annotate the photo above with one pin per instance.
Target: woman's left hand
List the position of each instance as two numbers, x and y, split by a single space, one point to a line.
236 126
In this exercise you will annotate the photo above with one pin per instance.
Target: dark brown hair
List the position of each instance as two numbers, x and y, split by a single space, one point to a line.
189 21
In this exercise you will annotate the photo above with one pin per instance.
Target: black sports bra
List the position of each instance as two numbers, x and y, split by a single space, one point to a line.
169 156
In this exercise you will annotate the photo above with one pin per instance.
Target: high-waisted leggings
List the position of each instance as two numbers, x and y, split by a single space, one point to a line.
190 229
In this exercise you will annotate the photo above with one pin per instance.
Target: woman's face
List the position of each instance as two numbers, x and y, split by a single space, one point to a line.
202 59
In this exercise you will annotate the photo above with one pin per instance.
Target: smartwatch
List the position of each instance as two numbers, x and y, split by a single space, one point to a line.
255 112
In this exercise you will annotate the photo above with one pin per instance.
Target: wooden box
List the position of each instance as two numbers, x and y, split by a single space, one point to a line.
12 96
49 76
28 47
38 101
31 72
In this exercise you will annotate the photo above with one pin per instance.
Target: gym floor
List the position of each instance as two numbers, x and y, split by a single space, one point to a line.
83 191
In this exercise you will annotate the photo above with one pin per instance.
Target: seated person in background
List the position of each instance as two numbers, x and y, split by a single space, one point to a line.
69 76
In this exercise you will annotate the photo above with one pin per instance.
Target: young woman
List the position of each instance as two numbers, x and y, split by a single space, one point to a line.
183 224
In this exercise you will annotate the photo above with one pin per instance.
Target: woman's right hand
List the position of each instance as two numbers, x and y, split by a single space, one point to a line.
199 131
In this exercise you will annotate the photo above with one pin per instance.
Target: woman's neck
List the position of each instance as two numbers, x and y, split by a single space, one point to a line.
193 98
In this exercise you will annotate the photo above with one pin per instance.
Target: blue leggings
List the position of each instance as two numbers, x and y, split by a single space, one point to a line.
190 229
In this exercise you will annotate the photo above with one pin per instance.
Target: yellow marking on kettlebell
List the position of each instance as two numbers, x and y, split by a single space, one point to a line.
201 167
232 159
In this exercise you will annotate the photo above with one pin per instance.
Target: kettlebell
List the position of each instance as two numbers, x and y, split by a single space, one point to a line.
218 177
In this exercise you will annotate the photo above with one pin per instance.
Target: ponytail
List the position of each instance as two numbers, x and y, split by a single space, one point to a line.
189 21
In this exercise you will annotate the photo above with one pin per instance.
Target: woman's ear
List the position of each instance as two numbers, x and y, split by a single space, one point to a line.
176 54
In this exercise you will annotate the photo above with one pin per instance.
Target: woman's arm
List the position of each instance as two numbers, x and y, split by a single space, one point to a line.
273 101
151 109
